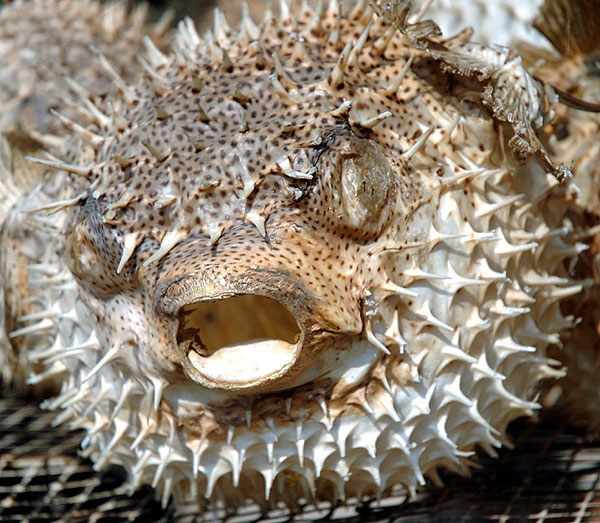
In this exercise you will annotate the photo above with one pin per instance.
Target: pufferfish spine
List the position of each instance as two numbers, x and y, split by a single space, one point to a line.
45 60
303 264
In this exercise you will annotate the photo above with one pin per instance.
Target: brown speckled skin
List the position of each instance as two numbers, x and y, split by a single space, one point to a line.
338 166
44 59
219 169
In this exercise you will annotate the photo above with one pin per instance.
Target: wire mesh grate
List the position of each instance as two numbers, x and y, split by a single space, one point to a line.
552 475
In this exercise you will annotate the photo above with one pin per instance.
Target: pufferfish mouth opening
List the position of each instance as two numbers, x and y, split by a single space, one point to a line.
237 342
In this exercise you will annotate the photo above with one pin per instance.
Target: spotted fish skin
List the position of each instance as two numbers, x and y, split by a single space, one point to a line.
48 77
298 261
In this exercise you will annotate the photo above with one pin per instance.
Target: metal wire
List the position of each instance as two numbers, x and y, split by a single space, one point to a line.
552 475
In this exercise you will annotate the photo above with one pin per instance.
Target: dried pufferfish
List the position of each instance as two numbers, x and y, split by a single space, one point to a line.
565 53
573 67
44 45
302 264
44 53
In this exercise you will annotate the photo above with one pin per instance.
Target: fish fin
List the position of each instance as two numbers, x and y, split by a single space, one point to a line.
571 26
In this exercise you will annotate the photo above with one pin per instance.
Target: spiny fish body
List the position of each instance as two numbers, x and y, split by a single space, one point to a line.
318 258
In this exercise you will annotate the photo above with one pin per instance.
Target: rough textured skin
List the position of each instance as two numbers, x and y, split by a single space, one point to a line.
558 42
45 53
574 68
45 58
314 259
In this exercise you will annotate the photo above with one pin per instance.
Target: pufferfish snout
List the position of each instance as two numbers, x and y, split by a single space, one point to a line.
265 308
302 261
282 299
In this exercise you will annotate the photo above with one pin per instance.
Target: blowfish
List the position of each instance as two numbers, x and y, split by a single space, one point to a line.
316 259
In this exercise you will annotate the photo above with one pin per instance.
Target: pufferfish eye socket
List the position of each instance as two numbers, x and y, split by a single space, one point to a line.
366 181
355 189
357 185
